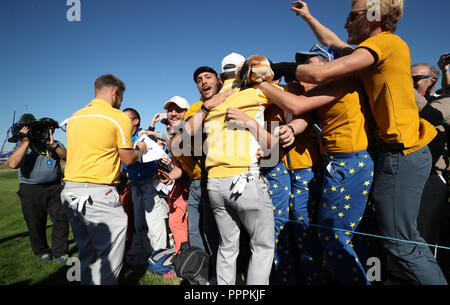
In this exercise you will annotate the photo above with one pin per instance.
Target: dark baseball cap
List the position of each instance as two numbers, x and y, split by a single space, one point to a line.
203 69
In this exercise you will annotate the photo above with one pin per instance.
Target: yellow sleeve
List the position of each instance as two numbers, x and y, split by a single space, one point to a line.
192 110
124 132
373 44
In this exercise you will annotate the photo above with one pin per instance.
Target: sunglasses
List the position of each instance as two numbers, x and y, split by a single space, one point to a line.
417 78
353 15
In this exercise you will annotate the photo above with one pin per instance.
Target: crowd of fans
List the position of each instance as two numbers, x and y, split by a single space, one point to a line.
273 180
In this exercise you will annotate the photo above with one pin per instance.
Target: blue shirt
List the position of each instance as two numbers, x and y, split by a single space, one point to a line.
140 171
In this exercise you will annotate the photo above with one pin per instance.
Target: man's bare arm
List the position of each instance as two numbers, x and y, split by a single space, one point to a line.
130 156
323 34
242 120
16 160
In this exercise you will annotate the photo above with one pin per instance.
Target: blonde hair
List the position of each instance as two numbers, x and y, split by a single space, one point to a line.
391 12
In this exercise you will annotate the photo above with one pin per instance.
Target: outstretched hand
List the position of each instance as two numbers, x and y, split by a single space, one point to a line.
301 9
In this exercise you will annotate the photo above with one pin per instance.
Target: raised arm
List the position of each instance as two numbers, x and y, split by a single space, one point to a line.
323 34
316 74
444 64
18 157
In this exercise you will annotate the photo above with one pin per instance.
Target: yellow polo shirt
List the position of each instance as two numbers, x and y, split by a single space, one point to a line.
230 84
188 163
304 152
389 86
94 135
232 151
344 123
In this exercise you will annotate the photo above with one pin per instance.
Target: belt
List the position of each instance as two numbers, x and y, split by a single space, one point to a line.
388 147
71 184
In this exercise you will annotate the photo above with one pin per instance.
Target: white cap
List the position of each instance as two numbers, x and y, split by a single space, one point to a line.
179 101
234 59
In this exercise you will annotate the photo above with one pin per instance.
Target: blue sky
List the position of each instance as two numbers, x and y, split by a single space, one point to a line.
48 65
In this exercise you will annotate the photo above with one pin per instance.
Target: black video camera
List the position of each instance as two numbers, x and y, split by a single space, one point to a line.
37 130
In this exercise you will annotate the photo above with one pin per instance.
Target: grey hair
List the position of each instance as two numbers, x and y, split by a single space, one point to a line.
433 70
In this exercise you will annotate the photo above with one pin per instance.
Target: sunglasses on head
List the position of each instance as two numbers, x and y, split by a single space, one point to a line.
353 15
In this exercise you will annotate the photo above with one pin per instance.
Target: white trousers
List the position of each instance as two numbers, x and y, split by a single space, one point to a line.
253 210
99 226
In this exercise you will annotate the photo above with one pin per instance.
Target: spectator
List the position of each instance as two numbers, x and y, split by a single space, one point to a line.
178 197
150 228
202 226
40 175
436 110
127 203
444 63
194 124
425 79
404 160
98 138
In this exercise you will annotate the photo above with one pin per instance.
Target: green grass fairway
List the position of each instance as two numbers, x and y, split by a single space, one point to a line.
18 264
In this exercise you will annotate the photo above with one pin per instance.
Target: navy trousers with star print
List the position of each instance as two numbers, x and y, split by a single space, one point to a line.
280 192
347 179
305 189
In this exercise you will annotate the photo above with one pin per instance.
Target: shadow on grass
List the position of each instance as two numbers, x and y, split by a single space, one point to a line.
58 278
23 234
131 275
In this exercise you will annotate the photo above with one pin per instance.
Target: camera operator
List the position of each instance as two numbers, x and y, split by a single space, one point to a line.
40 175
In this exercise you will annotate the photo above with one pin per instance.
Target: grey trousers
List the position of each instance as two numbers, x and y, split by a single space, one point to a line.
99 226
253 210
397 192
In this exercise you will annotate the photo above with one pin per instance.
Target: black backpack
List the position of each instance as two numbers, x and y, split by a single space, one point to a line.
192 264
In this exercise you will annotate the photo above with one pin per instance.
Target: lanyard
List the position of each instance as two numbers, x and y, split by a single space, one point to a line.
40 152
